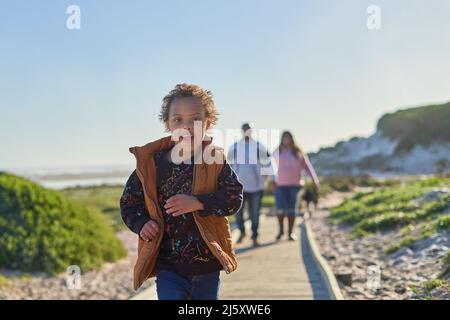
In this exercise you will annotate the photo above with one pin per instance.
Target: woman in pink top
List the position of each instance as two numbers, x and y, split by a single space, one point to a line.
291 163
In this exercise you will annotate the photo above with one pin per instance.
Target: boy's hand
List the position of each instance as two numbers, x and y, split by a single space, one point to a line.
182 203
149 231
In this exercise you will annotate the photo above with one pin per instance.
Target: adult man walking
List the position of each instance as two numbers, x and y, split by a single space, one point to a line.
252 164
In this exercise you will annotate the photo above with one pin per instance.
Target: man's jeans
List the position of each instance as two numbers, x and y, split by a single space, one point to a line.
172 286
254 206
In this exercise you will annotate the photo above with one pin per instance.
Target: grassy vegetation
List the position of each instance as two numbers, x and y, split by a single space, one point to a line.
426 287
42 230
349 183
329 184
102 198
393 208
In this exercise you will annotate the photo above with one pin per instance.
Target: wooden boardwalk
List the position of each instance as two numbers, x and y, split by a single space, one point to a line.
274 270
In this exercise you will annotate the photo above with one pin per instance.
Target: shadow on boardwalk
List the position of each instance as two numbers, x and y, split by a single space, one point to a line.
251 247
318 284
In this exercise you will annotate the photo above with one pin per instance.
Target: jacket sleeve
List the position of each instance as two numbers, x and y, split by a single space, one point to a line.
275 158
132 205
265 162
227 199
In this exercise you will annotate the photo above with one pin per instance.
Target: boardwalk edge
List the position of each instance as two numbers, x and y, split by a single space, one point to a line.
325 269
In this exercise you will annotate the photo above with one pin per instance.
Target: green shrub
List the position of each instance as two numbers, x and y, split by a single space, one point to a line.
102 198
348 183
441 223
405 242
396 207
41 230
427 286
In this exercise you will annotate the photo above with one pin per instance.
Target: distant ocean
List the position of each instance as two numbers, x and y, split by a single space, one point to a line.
70 177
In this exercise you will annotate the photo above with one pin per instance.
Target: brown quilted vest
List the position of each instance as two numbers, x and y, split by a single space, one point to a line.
215 230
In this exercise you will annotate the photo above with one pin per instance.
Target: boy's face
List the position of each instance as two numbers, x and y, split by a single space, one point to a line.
183 113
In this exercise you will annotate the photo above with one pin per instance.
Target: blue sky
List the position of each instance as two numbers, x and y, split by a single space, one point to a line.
82 97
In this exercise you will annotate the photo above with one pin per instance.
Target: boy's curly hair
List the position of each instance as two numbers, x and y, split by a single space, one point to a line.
184 90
